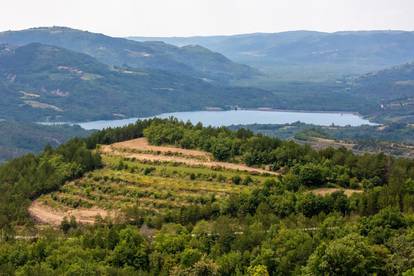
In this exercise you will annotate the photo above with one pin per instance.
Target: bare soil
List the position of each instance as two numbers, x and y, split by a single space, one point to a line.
143 145
121 149
46 214
327 191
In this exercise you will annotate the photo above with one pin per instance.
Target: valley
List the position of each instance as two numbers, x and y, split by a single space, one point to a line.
258 154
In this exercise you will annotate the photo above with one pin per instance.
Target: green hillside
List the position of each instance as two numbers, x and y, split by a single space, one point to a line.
192 61
40 82
330 212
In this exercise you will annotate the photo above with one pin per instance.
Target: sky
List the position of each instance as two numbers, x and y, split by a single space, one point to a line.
207 17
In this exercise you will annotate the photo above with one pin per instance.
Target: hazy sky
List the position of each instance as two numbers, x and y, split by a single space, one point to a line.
207 17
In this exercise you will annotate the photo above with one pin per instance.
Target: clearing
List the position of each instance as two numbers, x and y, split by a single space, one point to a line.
43 213
327 191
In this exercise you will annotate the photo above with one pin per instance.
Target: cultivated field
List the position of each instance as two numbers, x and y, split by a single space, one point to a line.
140 150
154 179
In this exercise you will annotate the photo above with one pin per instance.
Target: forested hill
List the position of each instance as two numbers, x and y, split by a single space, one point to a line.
192 61
392 83
274 225
41 82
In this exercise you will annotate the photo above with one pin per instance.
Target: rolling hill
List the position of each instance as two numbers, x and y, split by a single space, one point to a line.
309 55
47 83
194 61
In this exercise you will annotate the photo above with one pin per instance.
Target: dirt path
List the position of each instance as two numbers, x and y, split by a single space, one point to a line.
48 215
327 191
121 149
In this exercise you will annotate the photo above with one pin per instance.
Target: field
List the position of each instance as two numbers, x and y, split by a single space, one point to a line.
154 179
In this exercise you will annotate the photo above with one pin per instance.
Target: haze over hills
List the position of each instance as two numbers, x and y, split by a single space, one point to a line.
261 154
392 88
309 55
42 82
194 61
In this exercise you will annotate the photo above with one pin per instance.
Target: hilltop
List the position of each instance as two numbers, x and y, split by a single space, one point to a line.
133 216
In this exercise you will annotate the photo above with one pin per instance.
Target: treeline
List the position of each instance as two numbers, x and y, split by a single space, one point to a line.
25 178
118 134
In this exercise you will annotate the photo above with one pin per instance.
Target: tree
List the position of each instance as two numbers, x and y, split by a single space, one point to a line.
350 255
221 150
257 270
287 251
189 257
131 250
380 227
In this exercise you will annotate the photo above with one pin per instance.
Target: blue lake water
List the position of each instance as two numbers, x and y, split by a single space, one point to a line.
245 117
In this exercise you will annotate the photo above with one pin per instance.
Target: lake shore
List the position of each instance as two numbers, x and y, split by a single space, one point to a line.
241 117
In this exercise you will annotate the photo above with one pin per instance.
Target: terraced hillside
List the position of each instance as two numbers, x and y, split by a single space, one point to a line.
137 177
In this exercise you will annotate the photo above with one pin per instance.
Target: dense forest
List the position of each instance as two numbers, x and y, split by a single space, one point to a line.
278 228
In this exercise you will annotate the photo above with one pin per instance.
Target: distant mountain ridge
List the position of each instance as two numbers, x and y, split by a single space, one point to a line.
194 61
288 53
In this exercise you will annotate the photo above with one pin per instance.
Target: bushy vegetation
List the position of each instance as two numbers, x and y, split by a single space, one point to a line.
270 226
153 193
27 177
308 167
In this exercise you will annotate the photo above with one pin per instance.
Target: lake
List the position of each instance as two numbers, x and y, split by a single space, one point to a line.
245 117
